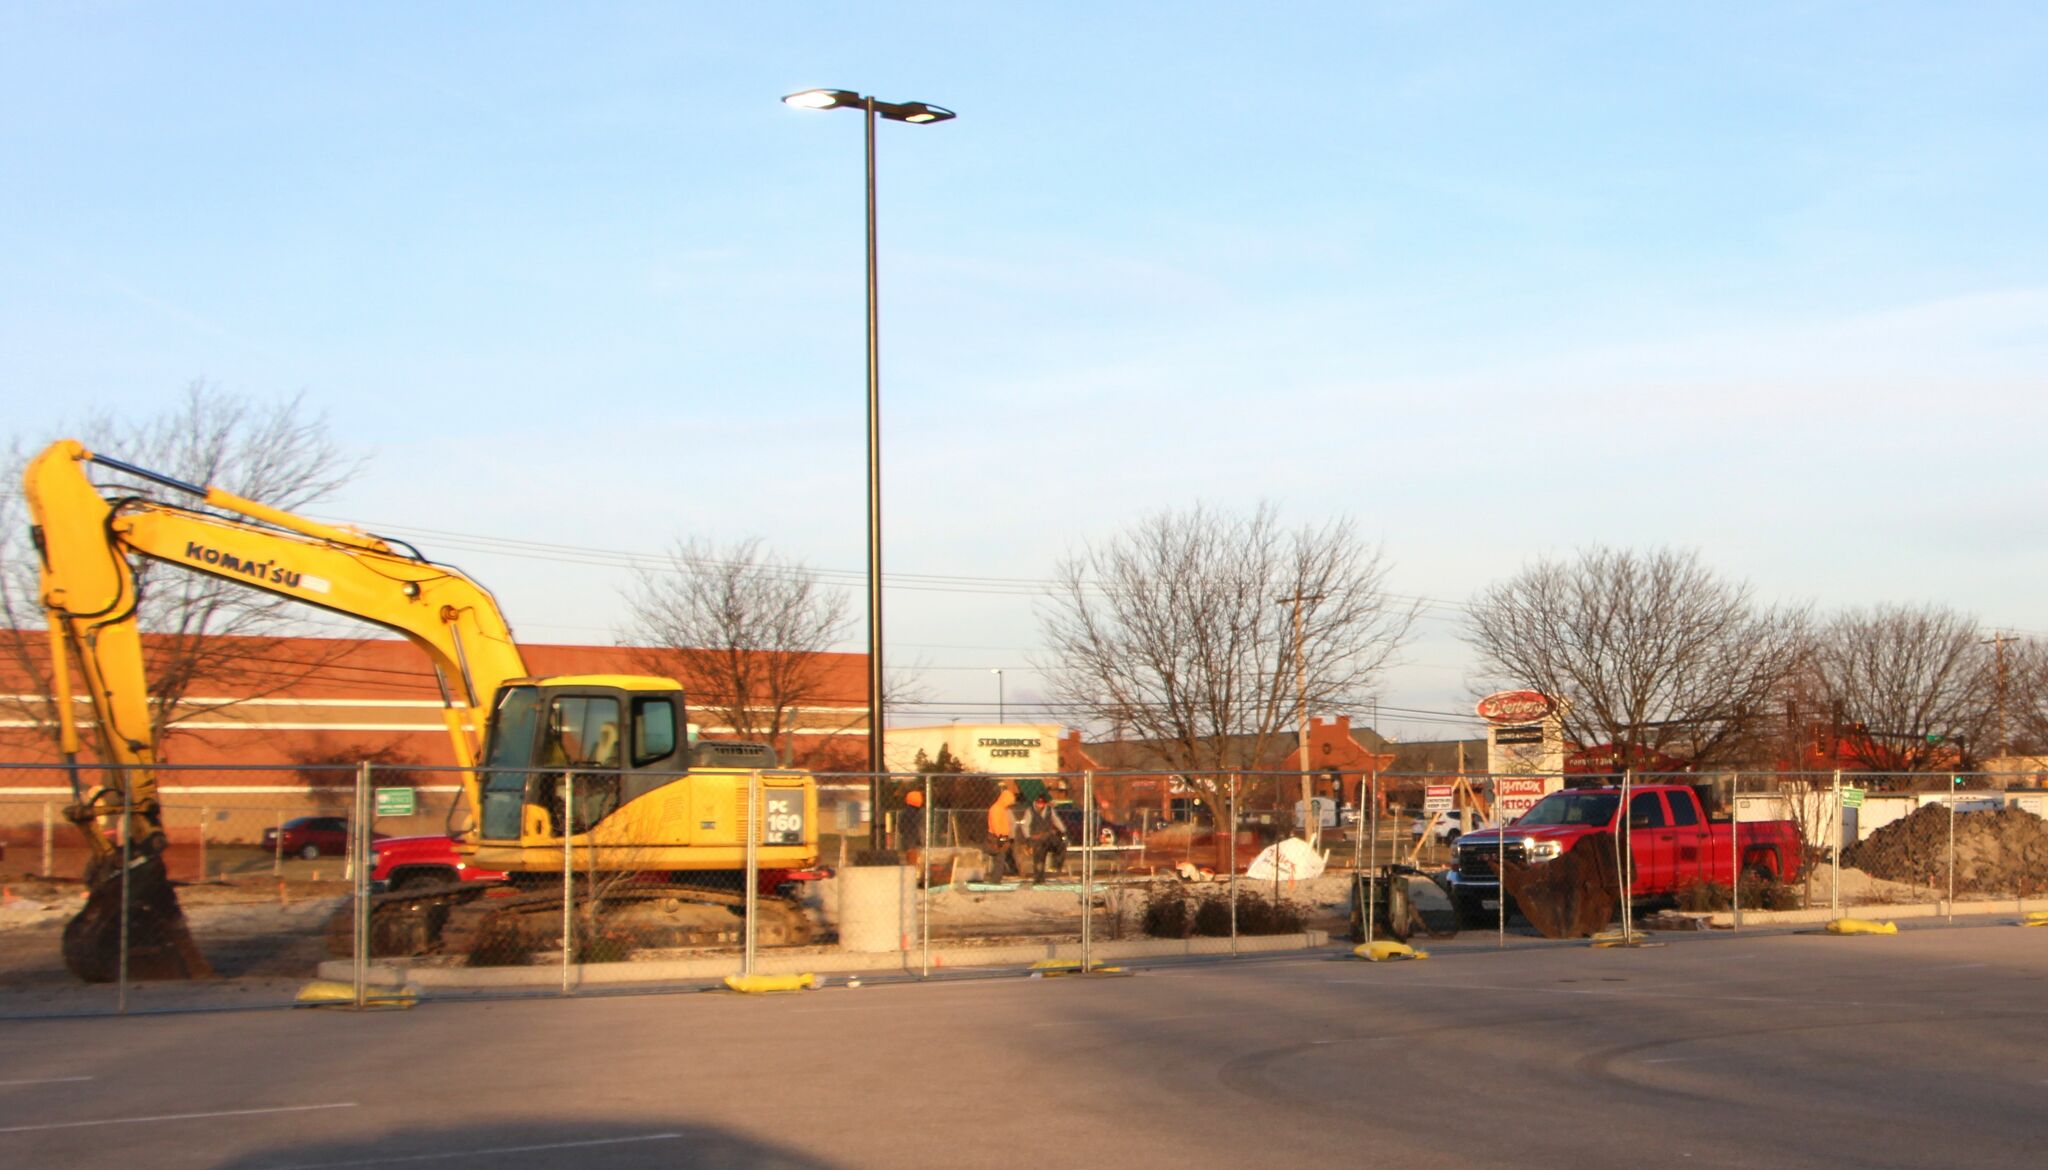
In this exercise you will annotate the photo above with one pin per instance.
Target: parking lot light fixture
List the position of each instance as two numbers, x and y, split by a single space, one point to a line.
916 113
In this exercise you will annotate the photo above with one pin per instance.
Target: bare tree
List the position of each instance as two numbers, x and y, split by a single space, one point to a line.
1646 650
1180 631
745 632
1912 680
196 626
2024 728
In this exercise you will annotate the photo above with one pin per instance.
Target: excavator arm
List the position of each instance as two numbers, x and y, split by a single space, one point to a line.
90 595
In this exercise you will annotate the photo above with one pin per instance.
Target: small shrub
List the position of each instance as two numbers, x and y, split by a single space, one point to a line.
500 942
1260 914
1166 911
1212 916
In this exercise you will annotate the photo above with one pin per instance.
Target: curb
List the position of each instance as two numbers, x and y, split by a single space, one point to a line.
904 962
1723 918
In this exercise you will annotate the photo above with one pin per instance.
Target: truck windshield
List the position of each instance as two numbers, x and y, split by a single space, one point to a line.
1572 808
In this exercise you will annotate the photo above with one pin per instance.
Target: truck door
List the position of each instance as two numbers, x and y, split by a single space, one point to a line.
1690 840
1651 845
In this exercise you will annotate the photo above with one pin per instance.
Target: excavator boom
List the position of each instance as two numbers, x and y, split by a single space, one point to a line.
90 597
602 765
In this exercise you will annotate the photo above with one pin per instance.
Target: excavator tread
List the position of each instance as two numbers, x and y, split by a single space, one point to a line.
468 919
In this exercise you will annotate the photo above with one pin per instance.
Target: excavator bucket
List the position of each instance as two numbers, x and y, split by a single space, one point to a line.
1573 896
160 945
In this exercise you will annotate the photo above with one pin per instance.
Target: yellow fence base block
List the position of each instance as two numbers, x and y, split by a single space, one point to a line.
334 993
2035 918
1608 939
1052 968
1385 950
1860 926
770 984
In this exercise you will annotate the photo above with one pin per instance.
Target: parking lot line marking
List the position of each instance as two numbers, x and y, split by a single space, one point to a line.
174 1117
1120 1020
393 1161
47 1081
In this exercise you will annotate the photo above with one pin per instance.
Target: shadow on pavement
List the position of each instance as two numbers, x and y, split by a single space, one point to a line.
533 1146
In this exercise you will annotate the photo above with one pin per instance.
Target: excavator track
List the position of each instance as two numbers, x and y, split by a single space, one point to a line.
501 925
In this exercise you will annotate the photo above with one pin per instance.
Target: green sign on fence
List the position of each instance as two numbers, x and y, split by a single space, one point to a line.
1852 798
394 802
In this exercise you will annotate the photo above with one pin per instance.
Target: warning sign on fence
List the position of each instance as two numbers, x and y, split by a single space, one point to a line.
1436 798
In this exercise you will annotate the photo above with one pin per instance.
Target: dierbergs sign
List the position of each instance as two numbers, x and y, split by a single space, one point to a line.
1510 707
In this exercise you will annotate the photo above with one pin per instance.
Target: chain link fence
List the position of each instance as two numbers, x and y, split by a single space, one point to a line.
357 880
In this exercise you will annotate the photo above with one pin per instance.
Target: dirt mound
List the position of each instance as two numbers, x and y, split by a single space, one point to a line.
2002 851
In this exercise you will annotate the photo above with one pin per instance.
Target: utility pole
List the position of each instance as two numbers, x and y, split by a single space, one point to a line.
1997 643
1311 826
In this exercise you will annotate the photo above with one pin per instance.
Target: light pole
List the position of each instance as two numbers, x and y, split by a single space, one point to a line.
916 113
998 672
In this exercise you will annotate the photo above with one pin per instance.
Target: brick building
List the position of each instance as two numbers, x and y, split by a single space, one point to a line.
305 701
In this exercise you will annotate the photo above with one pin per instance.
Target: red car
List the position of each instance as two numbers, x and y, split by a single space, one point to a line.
399 862
309 837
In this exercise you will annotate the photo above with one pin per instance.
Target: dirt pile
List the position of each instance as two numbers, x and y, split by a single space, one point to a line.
2002 851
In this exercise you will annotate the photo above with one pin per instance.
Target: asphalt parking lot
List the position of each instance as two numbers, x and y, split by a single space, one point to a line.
1790 1050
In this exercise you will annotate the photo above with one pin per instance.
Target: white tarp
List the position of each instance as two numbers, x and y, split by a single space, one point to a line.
1292 860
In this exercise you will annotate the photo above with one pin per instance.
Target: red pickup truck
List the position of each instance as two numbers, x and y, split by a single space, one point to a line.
399 862
1673 841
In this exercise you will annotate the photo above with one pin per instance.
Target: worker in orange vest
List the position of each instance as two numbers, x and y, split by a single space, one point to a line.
1000 826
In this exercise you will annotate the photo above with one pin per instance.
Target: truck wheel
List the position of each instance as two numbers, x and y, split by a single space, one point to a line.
414 877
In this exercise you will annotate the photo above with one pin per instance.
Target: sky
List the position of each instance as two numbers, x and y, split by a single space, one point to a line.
1497 282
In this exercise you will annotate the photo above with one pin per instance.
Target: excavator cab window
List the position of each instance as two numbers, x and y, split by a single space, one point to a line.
583 734
514 727
654 747
654 731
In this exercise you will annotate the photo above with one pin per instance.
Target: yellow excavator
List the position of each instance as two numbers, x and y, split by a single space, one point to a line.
603 760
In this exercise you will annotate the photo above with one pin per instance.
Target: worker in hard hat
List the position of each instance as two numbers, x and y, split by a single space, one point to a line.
910 826
1000 829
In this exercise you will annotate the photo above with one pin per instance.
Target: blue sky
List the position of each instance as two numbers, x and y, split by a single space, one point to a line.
1496 280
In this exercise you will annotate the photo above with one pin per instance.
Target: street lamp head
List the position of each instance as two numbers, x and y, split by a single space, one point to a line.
823 99
917 112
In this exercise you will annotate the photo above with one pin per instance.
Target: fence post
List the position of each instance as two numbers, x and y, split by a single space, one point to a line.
753 874
924 884
1088 843
49 840
1372 872
1952 852
359 855
1835 851
277 863
1735 851
205 814
1624 842
121 996
568 877
1233 863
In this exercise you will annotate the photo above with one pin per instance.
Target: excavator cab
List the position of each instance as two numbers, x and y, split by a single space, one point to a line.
563 754
605 764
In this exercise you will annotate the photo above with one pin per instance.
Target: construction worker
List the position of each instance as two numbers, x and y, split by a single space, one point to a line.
1000 830
910 826
1042 830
